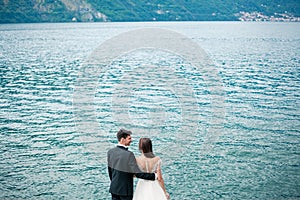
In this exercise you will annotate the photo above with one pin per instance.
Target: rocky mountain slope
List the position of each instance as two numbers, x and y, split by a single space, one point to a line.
13 11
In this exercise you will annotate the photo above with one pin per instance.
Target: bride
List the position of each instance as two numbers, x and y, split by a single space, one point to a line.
148 162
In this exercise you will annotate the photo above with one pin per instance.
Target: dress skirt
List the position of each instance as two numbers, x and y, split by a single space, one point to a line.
149 190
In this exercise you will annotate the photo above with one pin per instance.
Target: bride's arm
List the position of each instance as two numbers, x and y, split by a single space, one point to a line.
161 180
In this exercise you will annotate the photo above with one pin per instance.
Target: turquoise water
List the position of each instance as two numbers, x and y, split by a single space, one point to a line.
241 142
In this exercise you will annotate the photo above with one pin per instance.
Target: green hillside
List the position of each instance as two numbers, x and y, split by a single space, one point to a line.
12 11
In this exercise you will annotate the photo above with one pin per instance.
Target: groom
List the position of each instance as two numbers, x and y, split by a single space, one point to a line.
122 167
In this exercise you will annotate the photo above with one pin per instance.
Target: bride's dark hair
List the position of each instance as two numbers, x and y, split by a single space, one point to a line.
145 146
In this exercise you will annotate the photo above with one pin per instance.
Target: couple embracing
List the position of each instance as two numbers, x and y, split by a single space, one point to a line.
123 167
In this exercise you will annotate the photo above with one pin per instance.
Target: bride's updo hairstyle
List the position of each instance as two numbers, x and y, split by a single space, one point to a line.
145 146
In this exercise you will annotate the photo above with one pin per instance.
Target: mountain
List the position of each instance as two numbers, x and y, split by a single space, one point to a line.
21 11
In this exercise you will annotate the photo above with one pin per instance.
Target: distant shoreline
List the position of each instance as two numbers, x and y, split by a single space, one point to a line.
64 11
105 22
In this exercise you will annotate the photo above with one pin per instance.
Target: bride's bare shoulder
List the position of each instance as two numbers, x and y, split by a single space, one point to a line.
138 158
156 158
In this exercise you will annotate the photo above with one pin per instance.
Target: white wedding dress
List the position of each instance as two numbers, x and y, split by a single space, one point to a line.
146 189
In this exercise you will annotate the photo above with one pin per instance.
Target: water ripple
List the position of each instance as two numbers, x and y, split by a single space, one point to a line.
254 153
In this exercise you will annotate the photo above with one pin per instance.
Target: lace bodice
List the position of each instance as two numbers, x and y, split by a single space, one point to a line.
148 165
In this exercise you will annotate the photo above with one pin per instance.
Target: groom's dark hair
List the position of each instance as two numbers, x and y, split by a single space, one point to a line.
122 133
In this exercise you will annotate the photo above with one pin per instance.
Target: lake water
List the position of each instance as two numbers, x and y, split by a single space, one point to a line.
233 136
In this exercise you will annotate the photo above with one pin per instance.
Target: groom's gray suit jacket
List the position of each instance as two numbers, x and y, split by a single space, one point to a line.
122 167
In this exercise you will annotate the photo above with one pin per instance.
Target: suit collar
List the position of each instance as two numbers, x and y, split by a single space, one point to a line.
122 146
